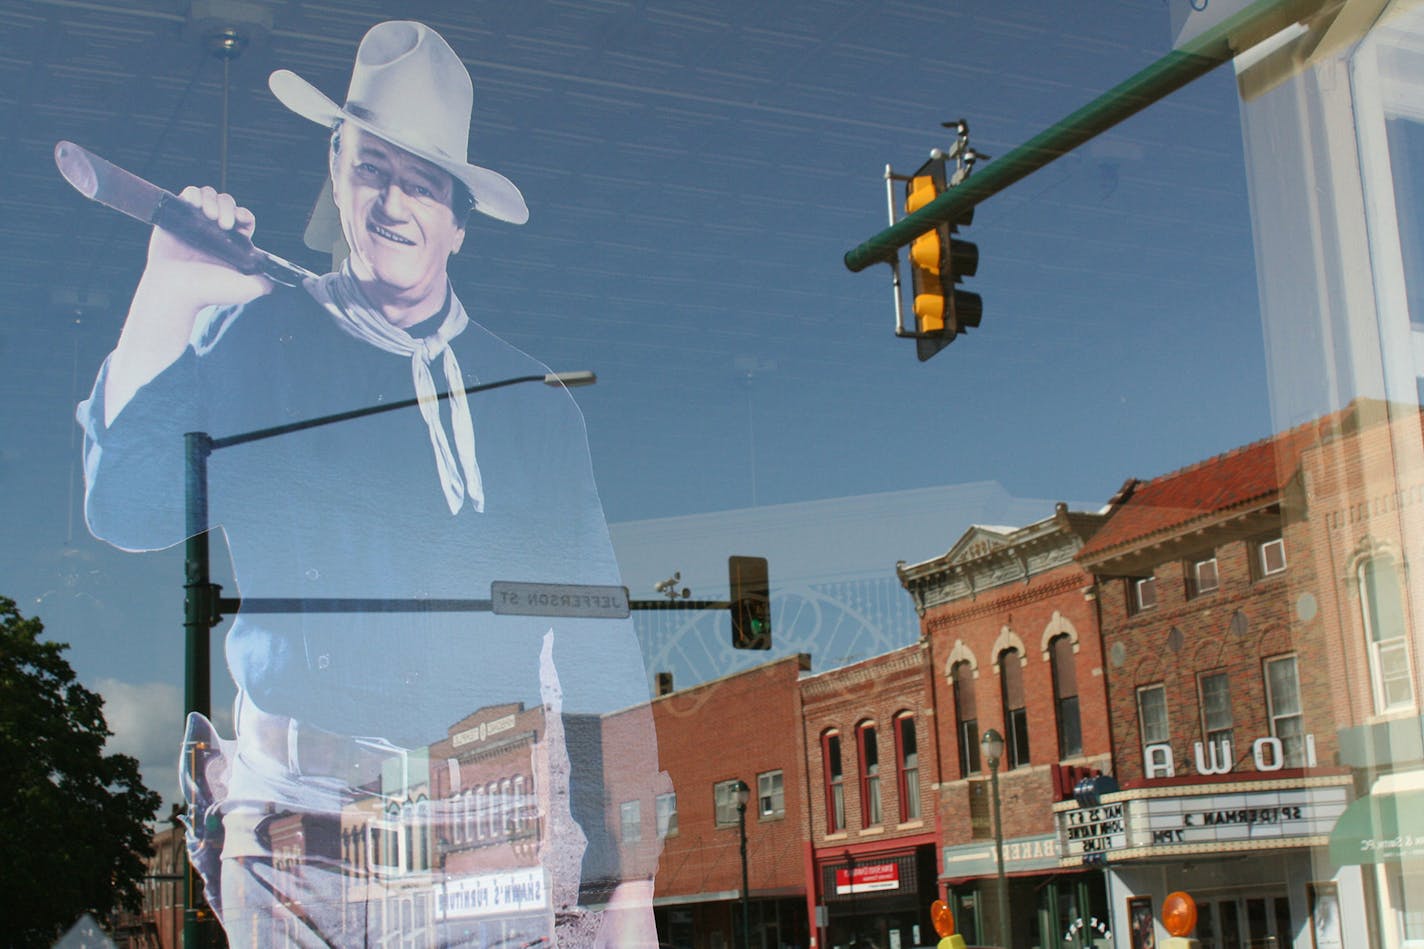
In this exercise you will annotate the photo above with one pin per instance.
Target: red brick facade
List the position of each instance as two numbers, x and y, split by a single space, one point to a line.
742 727
1188 637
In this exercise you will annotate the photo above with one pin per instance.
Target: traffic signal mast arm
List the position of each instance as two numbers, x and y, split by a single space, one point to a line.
1237 33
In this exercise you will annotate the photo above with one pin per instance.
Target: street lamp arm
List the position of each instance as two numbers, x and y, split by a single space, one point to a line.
581 377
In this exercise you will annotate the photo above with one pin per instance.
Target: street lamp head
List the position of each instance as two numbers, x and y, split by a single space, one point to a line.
742 793
993 745
571 379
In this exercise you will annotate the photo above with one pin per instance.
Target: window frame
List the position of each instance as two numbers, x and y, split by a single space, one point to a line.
1258 561
872 804
724 802
1159 688
1293 743
665 811
1222 731
1017 748
630 821
907 767
777 795
833 773
1137 602
1195 585
1381 678
1067 715
966 729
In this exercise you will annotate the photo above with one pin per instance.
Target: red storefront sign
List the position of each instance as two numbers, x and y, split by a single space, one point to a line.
868 879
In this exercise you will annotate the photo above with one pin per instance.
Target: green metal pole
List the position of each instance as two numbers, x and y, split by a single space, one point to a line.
1005 926
198 619
1257 22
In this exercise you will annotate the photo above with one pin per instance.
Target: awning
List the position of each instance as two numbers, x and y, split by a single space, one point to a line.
1379 828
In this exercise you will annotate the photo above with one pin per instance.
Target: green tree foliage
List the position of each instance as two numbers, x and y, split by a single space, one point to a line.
74 828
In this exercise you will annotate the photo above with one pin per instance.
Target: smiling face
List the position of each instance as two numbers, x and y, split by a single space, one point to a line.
396 215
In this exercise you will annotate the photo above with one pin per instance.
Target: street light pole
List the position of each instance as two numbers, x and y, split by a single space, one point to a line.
993 745
203 605
744 794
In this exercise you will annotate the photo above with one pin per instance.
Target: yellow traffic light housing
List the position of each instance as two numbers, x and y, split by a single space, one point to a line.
938 262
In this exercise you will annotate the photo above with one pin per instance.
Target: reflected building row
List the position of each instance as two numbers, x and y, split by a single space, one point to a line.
1209 685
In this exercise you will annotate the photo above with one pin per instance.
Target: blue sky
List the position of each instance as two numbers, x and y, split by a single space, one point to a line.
695 173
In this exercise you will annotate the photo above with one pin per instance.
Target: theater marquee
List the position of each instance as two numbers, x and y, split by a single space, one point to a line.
1146 822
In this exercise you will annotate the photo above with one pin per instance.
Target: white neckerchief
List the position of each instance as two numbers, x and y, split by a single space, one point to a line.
341 296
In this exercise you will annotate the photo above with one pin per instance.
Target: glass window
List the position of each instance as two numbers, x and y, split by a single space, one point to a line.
1283 706
422 834
1383 606
1152 714
1144 594
771 796
835 782
1065 695
1201 576
1216 714
725 795
870 804
968 718
667 814
630 821
907 766
1270 557
1015 712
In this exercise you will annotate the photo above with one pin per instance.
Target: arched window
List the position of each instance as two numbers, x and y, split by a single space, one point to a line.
869 748
407 832
491 812
1065 696
1015 712
521 814
506 809
907 766
835 781
1382 604
422 828
966 713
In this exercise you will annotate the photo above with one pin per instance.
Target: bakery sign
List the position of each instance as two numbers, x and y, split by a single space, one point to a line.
870 878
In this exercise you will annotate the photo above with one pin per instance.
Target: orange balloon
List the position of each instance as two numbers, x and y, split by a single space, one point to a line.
942 917
1179 913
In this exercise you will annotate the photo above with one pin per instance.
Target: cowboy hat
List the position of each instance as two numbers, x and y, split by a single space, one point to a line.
409 88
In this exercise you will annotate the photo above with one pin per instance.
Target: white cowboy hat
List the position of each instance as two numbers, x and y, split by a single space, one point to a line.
411 89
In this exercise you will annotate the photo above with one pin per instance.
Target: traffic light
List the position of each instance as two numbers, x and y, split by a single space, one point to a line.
938 263
750 602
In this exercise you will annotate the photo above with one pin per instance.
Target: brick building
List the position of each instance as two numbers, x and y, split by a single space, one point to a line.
871 766
158 924
1361 514
1220 700
1012 642
744 727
